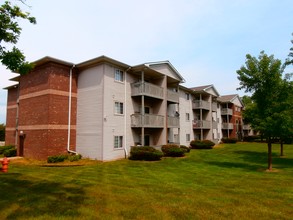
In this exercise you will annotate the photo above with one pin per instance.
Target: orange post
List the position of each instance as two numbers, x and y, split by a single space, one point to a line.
5 163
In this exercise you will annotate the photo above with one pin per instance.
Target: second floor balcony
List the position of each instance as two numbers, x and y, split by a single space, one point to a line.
201 124
173 122
227 126
201 104
147 89
226 111
147 121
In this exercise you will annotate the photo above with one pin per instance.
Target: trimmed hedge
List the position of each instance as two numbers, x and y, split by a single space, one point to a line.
8 151
187 149
145 153
229 140
63 157
4 148
204 144
173 150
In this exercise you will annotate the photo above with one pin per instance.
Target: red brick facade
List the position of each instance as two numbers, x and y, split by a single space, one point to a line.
43 111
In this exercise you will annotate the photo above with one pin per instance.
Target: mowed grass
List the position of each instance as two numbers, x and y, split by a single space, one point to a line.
228 182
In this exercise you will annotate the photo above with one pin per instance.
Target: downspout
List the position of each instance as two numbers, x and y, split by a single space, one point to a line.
125 116
69 111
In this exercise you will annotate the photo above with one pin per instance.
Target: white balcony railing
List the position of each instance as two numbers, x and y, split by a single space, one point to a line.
197 104
173 122
226 111
147 120
246 127
227 126
147 89
201 124
172 96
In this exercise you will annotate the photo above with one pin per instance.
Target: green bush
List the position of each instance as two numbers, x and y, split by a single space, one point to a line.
145 153
75 157
204 144
57 158
173 150
187 149
11 152
229 140
4 148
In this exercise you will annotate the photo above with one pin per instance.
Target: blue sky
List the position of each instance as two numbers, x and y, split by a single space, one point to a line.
205 40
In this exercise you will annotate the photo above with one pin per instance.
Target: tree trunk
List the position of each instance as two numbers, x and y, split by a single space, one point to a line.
282 149
270 164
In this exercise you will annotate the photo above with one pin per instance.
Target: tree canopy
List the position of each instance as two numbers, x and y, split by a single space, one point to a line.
10 31
270 111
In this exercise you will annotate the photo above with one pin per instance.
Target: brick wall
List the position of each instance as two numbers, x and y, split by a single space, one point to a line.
11 113
43 110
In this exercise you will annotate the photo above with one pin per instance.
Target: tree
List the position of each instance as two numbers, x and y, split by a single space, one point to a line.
10 31
290 56
262 77
2 132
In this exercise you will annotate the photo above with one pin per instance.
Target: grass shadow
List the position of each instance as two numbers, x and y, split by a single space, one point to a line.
32 199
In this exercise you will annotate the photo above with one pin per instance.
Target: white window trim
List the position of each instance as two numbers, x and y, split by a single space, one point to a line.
117 113
120 72
120 142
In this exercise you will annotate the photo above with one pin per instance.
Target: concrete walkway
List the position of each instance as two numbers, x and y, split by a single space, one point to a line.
11 158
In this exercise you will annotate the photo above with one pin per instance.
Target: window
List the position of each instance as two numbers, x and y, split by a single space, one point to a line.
187 137
119 108
119 75
118 142
187 117
187 96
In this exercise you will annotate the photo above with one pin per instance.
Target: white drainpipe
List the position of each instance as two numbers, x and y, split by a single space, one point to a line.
69 111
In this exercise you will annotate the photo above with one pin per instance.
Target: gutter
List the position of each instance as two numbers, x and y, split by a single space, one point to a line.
69 111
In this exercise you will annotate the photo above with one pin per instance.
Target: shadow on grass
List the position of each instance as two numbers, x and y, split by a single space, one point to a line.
32 198
252 160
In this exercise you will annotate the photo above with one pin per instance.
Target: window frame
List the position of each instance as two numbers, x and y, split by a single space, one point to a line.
119 75
187 116
118 142
120 109
187 137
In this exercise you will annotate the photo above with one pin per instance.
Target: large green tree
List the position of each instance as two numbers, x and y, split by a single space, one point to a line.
262 76
10 31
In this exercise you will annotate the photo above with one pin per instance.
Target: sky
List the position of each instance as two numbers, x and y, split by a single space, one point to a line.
205 40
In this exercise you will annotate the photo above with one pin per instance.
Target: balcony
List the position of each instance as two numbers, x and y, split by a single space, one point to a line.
214 107
246 127
227 126
226 111
201 104
173 122
201 124
172 96
147 121
147 89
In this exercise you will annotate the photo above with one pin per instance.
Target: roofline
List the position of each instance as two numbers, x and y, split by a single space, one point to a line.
47 59
12 86
101 59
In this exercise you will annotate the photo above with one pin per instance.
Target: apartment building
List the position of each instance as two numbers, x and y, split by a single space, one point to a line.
101 107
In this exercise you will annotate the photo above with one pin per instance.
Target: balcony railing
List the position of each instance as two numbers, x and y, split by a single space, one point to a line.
173 122
147 120
201 124
201 104
246 127
228 126
172 96
147 89
226 111
214 106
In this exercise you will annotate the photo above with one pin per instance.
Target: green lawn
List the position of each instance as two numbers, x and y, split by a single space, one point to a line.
228 182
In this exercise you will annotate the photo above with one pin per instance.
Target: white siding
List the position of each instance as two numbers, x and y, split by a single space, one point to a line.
89 138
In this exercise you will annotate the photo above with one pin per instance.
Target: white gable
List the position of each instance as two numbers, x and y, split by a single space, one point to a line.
237 101
211 90
166 69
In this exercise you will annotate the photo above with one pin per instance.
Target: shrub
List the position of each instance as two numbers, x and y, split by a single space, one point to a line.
4 148
57 158
187 149
75 157
145 153
173 150
11 152
229 140
204 144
